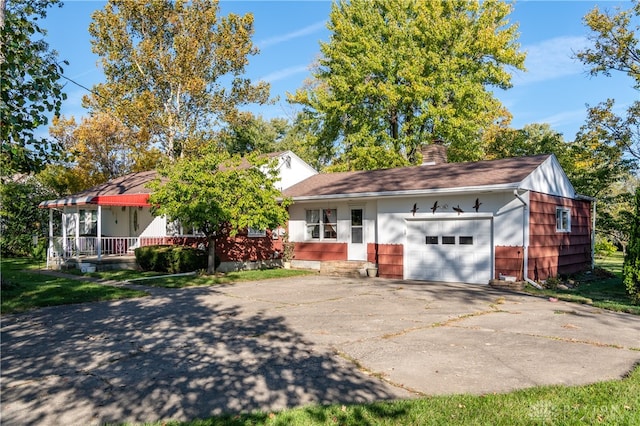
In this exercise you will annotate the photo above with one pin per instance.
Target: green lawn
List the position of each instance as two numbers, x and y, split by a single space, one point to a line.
612 403
24 287
603 288
191 280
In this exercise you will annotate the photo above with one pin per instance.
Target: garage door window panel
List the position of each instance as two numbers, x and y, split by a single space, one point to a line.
448 240
464 240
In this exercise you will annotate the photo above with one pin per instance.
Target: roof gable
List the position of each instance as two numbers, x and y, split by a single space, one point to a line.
510 172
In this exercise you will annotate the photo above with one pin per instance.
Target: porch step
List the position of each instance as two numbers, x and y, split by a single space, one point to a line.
344 268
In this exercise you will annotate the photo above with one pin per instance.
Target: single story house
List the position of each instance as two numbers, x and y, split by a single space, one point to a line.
454 222
105 223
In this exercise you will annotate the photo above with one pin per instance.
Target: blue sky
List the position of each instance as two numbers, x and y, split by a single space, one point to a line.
554 90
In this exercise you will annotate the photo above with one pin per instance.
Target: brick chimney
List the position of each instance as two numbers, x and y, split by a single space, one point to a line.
434 153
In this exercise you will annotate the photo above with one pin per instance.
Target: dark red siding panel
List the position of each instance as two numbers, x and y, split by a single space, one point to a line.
550 252
509 261
389 258
241 248
372 252
320 251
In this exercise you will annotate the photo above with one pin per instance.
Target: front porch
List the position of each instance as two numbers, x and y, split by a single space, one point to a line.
105 253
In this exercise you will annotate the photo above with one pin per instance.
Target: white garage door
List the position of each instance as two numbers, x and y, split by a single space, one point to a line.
454 250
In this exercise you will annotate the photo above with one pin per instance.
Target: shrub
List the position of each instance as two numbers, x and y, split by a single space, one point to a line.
631 266
171 259
20 217
605 248
552 283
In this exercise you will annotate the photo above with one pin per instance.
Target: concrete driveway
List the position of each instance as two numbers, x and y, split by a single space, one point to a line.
190 353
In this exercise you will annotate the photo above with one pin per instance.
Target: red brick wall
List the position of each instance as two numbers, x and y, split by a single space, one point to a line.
552 253
389 257
320 251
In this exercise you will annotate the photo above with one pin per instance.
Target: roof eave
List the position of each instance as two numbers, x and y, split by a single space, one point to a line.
387 194
67 201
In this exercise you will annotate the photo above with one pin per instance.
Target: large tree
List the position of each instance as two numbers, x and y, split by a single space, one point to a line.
220 194
631 267
616 47
593 163
254 134
399 73
29 86
20 218
597 161
174 69
532 139
98 149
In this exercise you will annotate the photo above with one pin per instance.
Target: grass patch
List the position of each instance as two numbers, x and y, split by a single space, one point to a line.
230 277
24 287
612 402
602 290
116 275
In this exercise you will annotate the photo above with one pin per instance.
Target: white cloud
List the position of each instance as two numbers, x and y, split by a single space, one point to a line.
284 73
551 59
292 35
564 118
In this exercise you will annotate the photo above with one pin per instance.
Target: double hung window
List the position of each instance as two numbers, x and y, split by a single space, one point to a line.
563 219
88 222
322 224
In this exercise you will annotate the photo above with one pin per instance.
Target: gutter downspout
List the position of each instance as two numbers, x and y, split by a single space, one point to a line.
525 240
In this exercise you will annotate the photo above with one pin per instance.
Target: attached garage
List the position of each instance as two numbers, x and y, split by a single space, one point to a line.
452 250
467 222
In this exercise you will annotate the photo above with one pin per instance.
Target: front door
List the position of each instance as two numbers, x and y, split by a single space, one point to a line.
357 244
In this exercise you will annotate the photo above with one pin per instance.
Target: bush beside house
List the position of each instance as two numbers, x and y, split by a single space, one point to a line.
631 268
171 259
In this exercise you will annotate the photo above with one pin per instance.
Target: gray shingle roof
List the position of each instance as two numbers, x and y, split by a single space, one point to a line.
417 178
133 183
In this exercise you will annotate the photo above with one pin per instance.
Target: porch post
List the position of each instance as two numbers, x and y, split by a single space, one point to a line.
99 231
65 246
50 247
78 234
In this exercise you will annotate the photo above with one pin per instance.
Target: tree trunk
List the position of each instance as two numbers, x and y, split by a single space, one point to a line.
211 258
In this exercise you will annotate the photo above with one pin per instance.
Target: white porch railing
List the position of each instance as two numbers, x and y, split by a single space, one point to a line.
88 246
62 248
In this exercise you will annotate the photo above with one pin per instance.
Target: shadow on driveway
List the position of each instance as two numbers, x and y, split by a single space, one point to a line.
183 355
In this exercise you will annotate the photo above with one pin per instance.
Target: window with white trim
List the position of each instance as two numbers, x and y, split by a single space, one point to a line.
88 222
322 224
563 219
